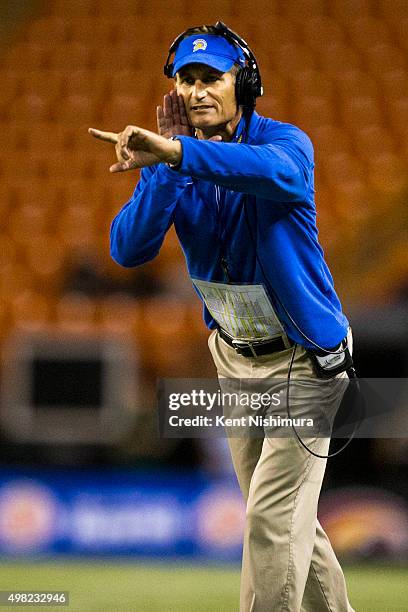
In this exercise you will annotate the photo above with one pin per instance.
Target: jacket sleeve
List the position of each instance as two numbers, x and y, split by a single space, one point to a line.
280 169
138 230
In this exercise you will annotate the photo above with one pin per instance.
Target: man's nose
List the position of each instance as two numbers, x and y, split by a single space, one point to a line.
199 90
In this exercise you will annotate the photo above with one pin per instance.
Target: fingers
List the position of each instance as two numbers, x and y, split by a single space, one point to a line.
167 106
175 107
129 164
182 110
216 138
123 144
161 121
106 136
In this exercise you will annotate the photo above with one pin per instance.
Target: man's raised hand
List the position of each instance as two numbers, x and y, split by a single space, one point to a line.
172 117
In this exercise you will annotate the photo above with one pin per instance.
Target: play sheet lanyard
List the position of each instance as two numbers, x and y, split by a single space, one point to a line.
243 311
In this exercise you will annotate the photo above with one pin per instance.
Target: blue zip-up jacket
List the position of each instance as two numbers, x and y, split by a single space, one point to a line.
251 203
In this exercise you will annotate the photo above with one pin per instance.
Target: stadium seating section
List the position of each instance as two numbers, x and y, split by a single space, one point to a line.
336 68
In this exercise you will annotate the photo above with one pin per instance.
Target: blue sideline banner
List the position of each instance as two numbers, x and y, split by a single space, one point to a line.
155 514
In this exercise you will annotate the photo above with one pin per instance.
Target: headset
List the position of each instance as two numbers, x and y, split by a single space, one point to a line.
248 84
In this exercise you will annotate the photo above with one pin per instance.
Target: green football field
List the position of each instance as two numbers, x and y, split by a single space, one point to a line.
113 587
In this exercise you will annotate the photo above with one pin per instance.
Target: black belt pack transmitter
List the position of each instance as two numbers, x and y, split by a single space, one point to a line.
333 362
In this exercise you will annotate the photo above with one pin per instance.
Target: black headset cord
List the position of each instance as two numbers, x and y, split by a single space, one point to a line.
352 376
351 372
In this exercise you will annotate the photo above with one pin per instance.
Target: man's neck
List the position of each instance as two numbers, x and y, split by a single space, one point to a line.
226 130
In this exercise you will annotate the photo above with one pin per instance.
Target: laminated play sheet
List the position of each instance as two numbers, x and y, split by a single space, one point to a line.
243 311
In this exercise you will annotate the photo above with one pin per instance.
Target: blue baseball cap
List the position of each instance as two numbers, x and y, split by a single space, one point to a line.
209 49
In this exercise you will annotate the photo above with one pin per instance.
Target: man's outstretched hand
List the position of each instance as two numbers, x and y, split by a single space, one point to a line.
136 148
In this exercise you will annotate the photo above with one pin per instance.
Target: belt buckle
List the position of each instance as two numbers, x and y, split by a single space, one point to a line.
237 344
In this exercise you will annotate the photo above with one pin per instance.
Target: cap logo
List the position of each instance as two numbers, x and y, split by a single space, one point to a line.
198 44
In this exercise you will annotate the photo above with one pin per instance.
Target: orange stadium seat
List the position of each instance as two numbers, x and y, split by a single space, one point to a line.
33 106
398 25
13 138
336 56
373 139
45 258
43 83
117 57
135 82
274 102
290 57
87 29
393 83
76 8
274 106
78 108
84 82
361 110
191 14
27 56
386 173
382 54
30 219
161 334
351 201
17 168
76 313
15 279
119 314
318 31
302 9
352 82
9 254
397 117
76 225
397 10
11 86
49 137
40 194
328 227
73 56
345 10
366 31
267 33
328 139
30 311
123 110
48 28
123 9
310 112
341 167
310 83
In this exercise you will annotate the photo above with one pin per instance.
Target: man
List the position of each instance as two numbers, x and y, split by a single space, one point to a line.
239 189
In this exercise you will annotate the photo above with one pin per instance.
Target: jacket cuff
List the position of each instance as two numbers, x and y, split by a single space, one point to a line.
173 175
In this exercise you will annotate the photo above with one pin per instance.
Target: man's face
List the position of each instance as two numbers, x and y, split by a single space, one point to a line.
209 95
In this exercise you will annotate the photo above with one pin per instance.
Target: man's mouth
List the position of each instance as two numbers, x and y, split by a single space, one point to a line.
201 107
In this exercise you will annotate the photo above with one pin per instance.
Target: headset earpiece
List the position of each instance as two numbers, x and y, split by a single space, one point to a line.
246 87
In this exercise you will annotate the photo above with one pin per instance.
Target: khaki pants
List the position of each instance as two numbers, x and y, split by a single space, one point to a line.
288 563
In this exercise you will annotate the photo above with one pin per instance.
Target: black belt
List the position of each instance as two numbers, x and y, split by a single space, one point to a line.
256 348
